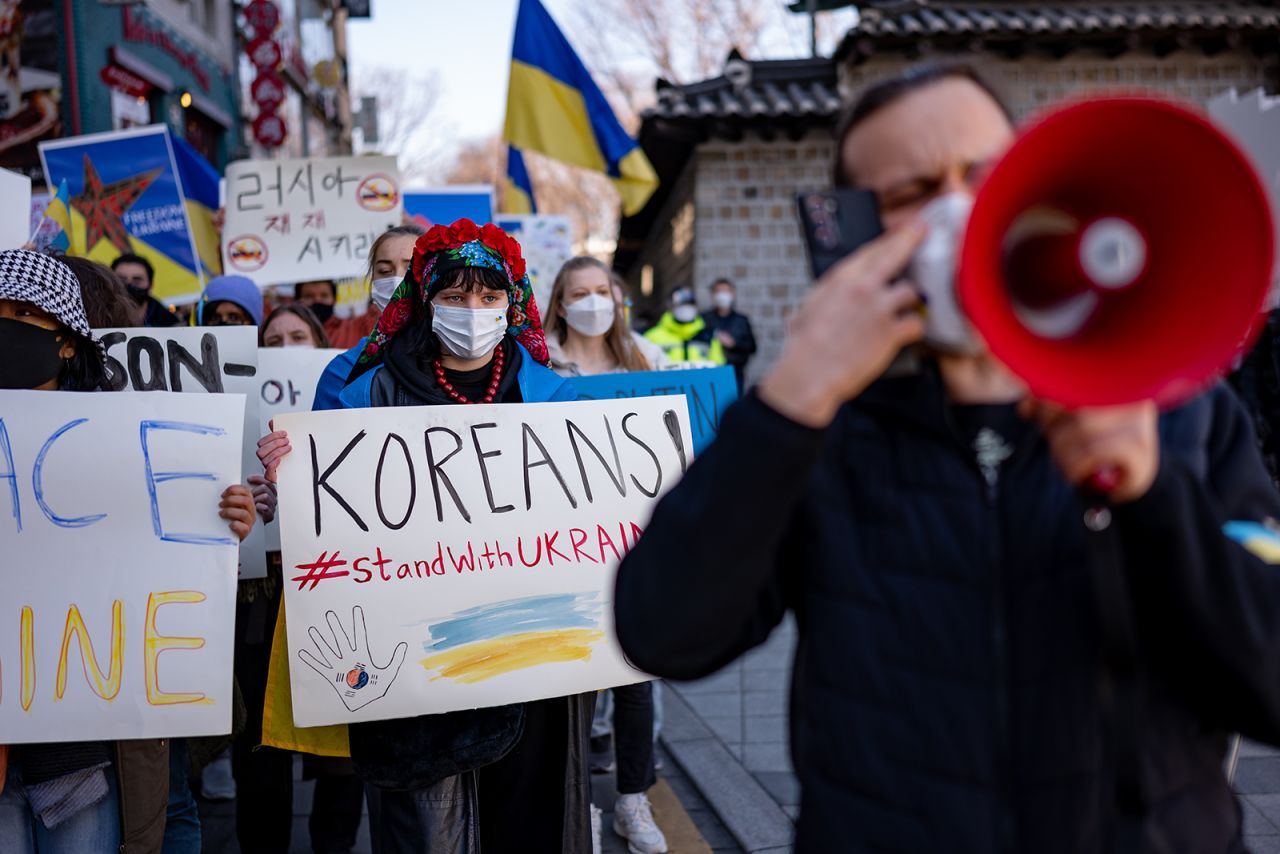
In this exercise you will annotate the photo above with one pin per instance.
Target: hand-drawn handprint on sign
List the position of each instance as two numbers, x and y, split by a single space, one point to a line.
348 665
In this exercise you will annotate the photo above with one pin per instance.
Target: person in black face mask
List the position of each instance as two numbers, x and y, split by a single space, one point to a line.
342 332
139 276
100 795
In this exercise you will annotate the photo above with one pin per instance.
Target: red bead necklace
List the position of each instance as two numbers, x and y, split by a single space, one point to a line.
499 358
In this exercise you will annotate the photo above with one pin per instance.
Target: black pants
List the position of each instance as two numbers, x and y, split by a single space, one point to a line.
633 737
264 775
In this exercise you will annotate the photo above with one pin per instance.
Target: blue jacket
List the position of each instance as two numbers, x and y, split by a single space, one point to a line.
334 378
538 384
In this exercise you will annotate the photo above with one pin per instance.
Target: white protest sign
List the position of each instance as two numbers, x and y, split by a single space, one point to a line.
546 241
296 220
15 223
454 557
119 576
204 359
287 378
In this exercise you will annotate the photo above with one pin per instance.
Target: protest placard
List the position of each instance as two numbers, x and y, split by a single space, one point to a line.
15 224
298 220
454 557
287 378
546 240
202 359
127 197
709 392
119 576
445 205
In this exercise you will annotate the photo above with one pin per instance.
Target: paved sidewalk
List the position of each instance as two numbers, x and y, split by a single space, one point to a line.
730 732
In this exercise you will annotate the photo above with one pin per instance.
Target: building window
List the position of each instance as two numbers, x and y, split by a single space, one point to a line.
682 229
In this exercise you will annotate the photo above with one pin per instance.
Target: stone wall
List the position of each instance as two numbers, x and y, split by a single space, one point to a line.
746 228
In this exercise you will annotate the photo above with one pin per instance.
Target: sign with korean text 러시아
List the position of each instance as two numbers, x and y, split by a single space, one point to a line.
291 221
200 359
455 557
119 576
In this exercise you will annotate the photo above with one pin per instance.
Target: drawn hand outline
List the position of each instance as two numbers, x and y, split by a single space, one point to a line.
356 679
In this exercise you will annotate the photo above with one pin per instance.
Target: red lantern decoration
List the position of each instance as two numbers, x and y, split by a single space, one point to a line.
268 91
270 130
263 16
264 53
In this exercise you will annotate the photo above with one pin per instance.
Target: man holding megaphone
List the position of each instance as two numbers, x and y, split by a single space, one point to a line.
1023 625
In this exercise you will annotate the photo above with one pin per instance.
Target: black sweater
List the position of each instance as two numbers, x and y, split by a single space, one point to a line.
947 685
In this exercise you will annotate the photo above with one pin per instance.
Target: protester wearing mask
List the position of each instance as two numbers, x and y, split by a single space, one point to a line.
343 332
950 690
96 797
231 301
587 331
731 328
463 327
683 335
139 277
388 262
587 335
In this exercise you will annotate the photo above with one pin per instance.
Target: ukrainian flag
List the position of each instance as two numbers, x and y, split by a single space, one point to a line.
518 198
59 211
556 109
199 182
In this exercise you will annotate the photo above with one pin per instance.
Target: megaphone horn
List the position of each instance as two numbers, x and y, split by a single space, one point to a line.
1121 250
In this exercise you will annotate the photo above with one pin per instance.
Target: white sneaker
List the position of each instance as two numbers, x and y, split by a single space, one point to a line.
596 818
633 821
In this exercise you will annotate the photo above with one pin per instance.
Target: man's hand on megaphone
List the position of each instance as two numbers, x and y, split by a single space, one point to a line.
852 324
1116 439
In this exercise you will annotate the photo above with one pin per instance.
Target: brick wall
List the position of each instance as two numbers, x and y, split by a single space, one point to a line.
746 228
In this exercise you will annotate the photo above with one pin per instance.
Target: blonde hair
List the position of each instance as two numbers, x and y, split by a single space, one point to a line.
618 339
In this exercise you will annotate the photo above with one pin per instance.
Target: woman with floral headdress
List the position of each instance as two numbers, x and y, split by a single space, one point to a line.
463 328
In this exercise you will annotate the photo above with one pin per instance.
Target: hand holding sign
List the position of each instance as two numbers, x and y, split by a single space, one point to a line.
357 680
236 507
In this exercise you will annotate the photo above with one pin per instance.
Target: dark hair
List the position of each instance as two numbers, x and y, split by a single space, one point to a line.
303 313
106 300
297 289
130 258
724 280
422 340
410 230
889 90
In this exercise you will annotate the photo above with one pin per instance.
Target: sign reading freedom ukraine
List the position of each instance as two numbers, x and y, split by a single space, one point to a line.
127 197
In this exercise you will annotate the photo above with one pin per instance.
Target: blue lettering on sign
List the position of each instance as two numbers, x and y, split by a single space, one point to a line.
155 478
37 483
10 474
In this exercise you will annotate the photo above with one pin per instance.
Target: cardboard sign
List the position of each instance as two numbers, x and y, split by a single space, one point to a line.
454 557
709 392
547 242
202 359
15 222
446 205
298 220
287 378
119 576
127 197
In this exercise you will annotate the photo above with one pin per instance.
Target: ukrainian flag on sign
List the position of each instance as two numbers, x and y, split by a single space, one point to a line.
556 109
518 198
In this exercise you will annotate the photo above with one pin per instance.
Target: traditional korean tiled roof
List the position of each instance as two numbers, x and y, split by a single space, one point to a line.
770 90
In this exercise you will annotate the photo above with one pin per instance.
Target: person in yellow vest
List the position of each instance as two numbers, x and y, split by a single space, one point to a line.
683 334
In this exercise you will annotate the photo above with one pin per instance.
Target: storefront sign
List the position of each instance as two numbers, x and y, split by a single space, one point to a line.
138 27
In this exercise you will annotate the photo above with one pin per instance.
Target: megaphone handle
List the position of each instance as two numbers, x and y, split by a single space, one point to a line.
1096 491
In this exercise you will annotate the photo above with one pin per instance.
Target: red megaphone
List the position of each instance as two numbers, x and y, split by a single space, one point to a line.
1121 250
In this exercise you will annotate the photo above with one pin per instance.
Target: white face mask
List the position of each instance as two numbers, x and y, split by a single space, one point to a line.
468 333
380 291
591 316
722 300
686 313
933 272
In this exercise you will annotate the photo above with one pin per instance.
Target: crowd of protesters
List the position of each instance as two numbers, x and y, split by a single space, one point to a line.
957 684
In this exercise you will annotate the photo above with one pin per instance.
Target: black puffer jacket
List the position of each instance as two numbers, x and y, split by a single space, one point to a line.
947 685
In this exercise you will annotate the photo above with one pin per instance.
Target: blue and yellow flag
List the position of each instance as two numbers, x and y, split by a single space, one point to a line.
199 182
59 211
518 198
556 109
